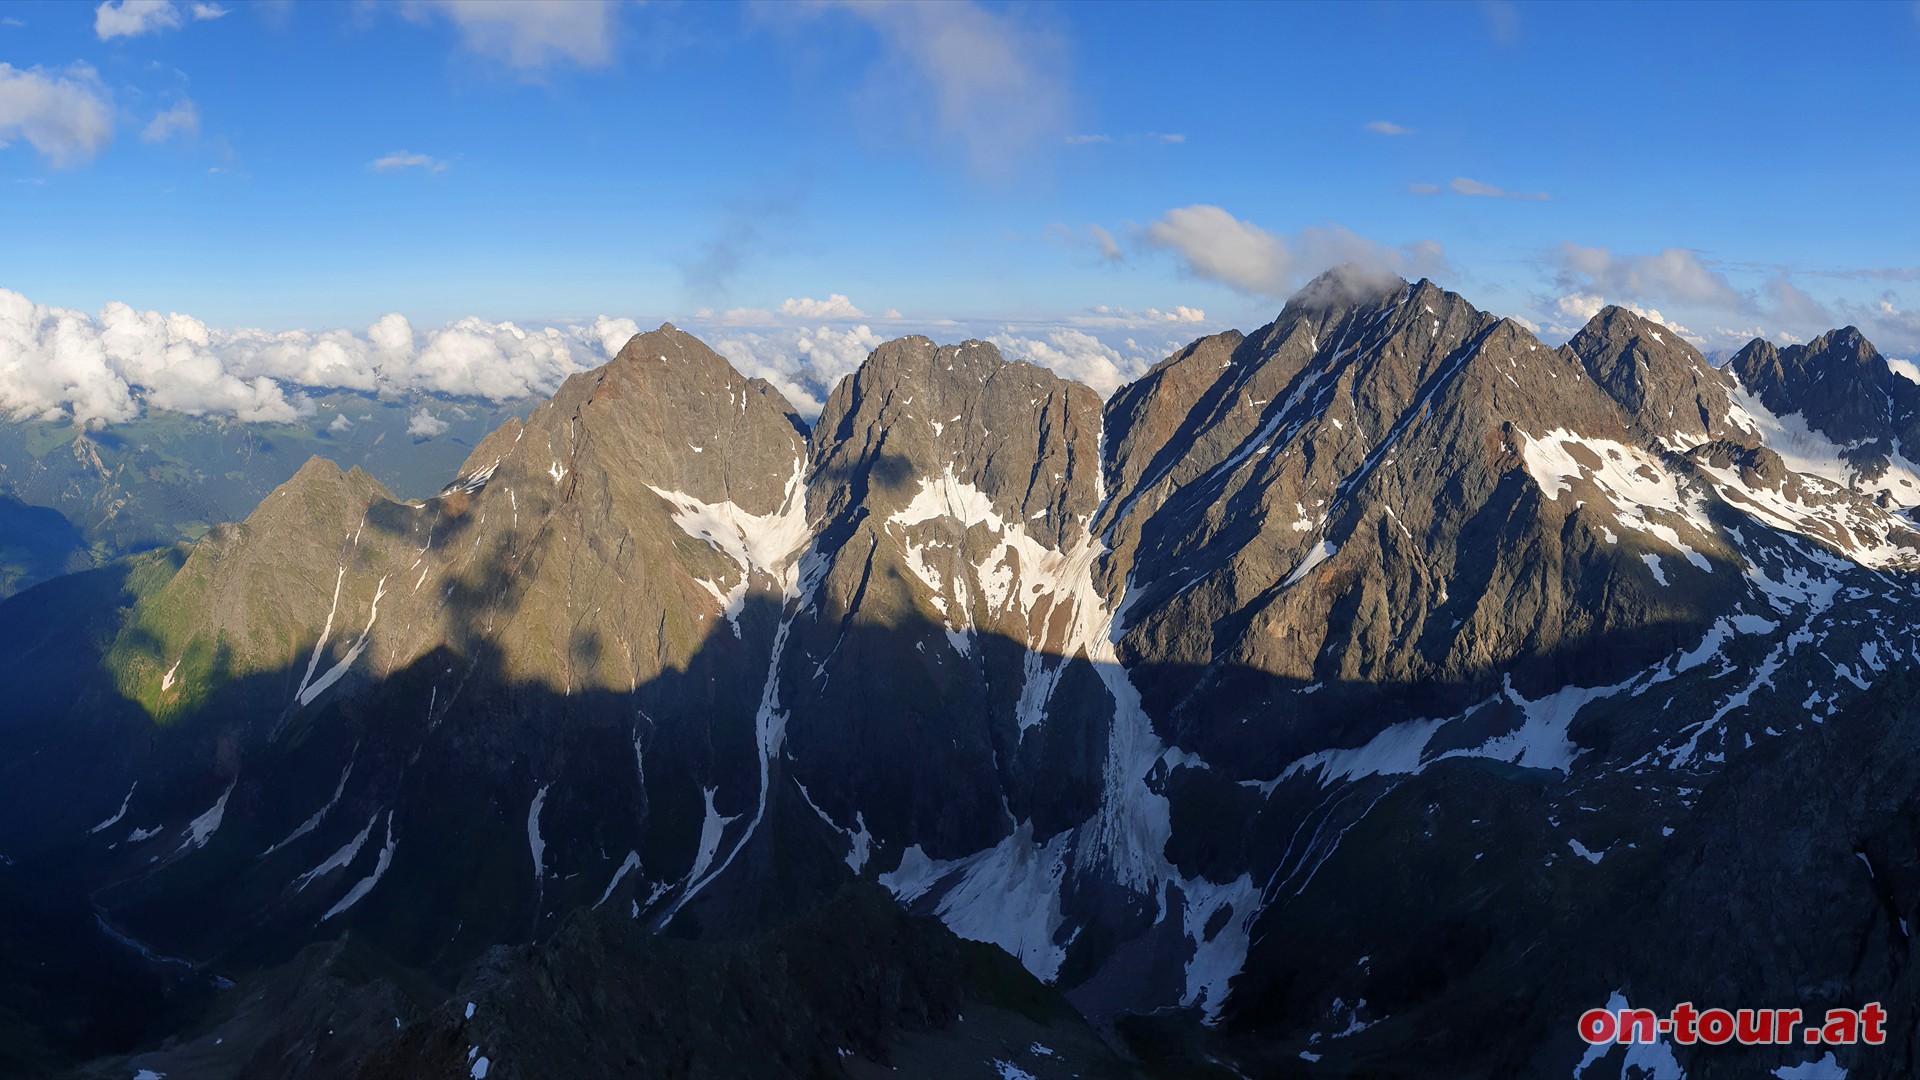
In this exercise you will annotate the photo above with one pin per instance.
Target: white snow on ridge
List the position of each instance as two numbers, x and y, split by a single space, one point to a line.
347 853
320 646
1321 552
1006 895
1654 1060
1645 497
766 542
307 693
1805 450
1540 742
118 814
535 844
1215 962
859 840
366 884
632 862
313 822
201 829
712 828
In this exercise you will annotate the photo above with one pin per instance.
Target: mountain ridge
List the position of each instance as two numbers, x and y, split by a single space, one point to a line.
1135 690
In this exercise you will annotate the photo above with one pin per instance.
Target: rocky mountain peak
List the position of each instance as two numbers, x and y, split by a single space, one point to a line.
1020 435
1840 401
1666 388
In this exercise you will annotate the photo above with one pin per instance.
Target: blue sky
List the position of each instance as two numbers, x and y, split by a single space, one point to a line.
1001 170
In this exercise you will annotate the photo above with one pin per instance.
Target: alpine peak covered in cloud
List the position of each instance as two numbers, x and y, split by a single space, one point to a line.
1256 708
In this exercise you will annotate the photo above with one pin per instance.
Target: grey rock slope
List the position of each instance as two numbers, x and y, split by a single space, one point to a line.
1323 697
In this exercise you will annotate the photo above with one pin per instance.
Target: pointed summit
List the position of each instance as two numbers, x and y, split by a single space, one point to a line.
1669 391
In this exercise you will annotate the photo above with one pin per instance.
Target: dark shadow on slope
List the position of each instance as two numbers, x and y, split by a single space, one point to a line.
442 762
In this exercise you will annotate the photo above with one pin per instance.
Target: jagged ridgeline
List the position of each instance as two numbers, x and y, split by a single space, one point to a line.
1374 692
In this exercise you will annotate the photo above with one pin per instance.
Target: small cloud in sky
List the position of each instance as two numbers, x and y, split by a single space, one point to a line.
525 34
1109 248
65 115
133 18
182 119
1213 245
1106 315
1460 185
1127 140
401 159
835 306
1387 127
424 425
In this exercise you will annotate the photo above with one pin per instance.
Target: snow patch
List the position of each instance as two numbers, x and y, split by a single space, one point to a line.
366 884
118 814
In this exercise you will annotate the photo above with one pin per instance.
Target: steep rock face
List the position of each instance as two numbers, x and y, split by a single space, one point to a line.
952 492
1395 526
1308 685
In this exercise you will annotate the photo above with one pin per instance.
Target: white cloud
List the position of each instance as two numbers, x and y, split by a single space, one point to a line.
424 425
401 159
476 358
181 119
1906 369
1892 328
1460 185
802 363
1075 355
527 34
1109 248
1216 246
835 306
1387 127
57 363
66 116
1129 318
1134 139
340 423
993 85
1571 312
612 334
1680 278
132 18
1675 275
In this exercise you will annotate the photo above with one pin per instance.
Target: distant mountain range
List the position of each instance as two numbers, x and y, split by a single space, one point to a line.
1368 695
167 477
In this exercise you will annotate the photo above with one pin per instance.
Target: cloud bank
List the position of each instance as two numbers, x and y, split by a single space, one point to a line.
60 364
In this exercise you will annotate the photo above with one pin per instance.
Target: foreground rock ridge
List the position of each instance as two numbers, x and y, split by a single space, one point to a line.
1376 691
